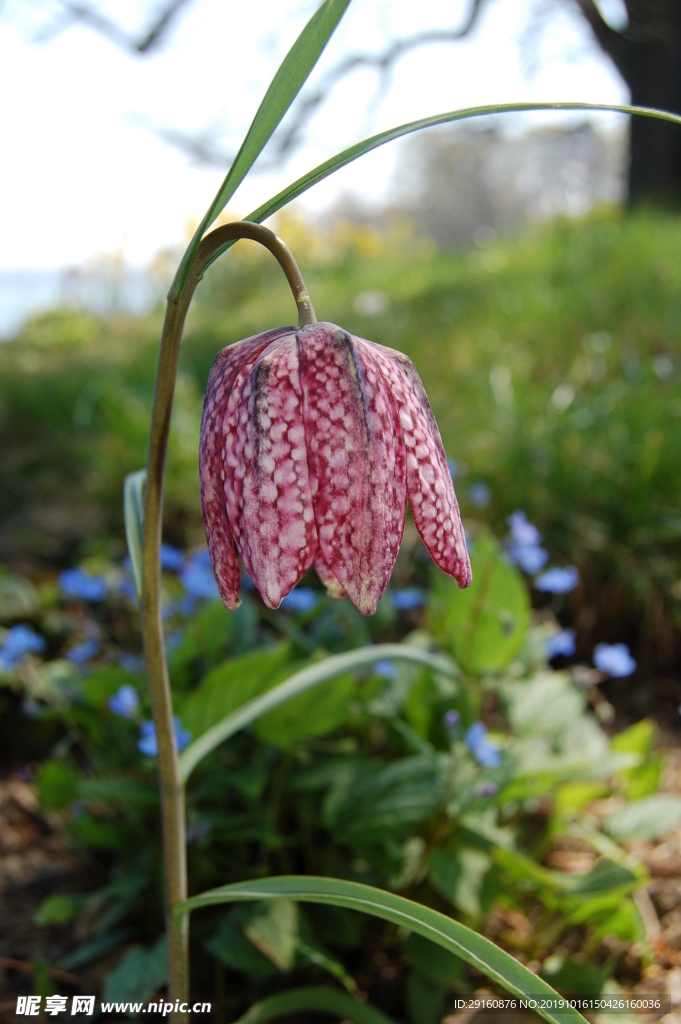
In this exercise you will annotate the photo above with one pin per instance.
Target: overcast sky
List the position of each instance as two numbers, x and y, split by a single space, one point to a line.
81 165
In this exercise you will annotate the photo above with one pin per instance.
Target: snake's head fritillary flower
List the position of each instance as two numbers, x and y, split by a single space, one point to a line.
311 442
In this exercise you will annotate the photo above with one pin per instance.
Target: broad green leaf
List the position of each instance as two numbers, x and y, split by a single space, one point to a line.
485 625
123 792
573 797
425 1000
314 713
249 711
140 973
315 999
573 977
227 687
645 819
432 961
57 910
459 875
547 703
281 93
133 514
231 947
604 877
56 784
273 929
385 801
637 739
451 935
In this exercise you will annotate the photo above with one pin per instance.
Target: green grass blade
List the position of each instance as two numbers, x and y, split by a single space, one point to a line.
133 514
465 943
314 998
323 672
282 91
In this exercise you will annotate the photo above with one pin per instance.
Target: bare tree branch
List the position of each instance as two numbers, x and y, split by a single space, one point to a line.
383 63
202 148
75 13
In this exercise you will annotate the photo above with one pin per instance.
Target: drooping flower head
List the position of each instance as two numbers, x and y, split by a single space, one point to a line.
311 442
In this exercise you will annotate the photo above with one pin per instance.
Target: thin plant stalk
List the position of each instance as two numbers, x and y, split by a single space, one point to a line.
171 784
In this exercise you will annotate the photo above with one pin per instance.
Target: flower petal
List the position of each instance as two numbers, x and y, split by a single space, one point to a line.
429 482
216 524
334 589
269 501
356 460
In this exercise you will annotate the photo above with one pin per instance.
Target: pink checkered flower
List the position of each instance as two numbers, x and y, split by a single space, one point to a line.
311 442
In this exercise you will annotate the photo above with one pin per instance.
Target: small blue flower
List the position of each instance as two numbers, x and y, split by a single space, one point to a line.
561 643
386 669
407 598
82 652
19 641
480 495
300 599
130 662
558 581
522 531
451 720
615 659
481 747
453 468
529 557
197 576
76 583
147 741
171 558
126 588
485 789
187 606
125 701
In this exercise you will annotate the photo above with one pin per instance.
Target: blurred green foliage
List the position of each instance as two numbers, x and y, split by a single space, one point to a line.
463 791
552 363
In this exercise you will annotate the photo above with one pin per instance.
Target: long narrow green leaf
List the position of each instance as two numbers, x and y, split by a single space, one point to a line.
284 88
347 156
465 943
315 998
324 671
133 514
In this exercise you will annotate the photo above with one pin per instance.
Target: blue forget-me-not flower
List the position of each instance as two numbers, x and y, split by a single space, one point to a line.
147 742
481 747
614 659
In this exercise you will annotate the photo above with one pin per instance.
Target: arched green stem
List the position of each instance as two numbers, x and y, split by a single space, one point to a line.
171 785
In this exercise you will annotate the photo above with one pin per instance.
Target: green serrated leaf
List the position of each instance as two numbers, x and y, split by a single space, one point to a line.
314 999
133 512
451 935
283 89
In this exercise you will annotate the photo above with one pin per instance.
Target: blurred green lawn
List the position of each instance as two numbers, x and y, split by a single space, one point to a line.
551 361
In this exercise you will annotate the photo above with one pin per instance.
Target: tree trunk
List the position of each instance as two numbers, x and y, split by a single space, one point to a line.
648 56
